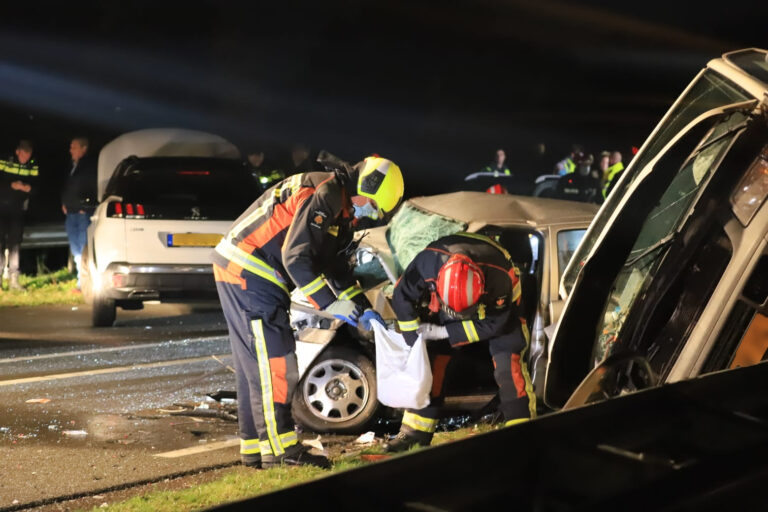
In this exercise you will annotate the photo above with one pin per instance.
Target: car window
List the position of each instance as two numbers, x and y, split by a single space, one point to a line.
171 188
567 242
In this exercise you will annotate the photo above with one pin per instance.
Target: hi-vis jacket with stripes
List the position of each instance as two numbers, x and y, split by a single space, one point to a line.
498 311
11 170
293 234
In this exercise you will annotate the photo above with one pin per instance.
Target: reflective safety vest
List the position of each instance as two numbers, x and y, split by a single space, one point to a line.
28 169
496 171
610 174
569 165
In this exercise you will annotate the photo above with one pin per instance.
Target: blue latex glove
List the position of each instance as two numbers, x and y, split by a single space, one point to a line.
368 316
345 310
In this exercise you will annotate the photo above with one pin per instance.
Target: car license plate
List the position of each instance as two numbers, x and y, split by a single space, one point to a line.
193 239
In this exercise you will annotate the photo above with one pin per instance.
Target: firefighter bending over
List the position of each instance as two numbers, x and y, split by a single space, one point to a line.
467 285
291 236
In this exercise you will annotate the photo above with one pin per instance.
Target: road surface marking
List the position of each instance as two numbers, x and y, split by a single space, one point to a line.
102 350
103 371
199 449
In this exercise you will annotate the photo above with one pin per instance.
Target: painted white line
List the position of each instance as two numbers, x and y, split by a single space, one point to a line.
200 449
102 350
103 371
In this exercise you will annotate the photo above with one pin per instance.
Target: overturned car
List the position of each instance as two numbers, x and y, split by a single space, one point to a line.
671 280
337 389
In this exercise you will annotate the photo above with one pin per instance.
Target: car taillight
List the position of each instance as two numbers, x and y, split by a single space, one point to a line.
127 210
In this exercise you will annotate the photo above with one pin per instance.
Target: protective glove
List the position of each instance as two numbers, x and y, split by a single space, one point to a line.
368 316
433 332
345 310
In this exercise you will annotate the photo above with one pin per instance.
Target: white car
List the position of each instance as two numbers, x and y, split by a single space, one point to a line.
168 196
337 386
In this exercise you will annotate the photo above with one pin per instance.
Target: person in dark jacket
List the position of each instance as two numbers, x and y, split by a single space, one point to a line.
466 289
78 201
18 177
292 237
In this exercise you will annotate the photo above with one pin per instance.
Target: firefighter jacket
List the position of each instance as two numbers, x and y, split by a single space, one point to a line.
298 233
414 298
11 170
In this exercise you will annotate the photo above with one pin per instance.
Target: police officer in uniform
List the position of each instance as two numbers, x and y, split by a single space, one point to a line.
18 177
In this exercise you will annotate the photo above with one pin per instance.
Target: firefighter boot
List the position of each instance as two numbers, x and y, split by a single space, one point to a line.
296 455
251 461
14 282
407 439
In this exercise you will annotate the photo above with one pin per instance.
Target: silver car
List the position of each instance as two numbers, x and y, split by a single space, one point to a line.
337 390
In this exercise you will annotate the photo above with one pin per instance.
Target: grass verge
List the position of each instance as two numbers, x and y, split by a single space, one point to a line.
44 289
240 482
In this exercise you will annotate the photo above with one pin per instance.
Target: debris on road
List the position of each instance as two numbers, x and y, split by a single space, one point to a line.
74 433
374 457
367 438
38 401
314 443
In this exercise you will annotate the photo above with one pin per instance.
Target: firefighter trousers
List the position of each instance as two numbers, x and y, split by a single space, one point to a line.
516 396
264 356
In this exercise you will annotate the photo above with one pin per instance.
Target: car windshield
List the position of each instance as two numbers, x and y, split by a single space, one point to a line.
165 185
412 229
710 90
659 229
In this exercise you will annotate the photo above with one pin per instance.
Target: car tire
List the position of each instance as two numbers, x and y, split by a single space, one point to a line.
103 312
346 373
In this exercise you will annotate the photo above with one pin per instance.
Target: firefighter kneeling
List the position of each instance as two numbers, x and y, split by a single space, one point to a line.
469 290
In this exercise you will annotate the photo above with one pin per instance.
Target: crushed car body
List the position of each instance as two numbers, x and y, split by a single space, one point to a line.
669 282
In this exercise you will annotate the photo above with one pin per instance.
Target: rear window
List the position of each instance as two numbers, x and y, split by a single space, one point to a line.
183 188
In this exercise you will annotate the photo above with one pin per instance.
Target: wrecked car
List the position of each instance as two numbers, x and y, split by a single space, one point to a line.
671 280
337 387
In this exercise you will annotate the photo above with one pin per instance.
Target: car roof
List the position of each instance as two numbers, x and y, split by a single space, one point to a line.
485 208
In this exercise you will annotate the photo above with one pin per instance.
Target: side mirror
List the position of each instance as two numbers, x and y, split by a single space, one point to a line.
619 374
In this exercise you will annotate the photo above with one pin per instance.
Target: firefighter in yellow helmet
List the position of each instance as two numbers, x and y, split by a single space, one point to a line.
291 237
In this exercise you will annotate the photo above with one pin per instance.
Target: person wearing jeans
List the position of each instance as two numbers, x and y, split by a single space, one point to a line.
78 200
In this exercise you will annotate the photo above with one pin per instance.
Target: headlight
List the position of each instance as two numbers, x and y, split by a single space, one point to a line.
752 189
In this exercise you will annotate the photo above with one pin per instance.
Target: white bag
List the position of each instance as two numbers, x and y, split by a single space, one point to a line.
403 373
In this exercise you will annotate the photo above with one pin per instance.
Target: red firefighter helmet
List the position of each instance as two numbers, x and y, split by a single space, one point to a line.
496 189
460 283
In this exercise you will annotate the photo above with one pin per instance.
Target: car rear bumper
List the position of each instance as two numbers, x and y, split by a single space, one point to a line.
124 281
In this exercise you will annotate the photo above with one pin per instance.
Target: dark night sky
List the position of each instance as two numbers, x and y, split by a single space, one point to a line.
434 86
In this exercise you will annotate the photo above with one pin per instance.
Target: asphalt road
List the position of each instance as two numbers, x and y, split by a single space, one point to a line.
84 409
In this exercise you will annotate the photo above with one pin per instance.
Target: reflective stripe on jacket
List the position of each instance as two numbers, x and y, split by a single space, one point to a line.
498 311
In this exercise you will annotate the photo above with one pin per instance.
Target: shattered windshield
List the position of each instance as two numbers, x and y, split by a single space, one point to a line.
659 230
710 90
412 229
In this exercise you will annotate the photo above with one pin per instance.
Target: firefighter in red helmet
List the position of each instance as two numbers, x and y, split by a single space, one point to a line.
462 289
